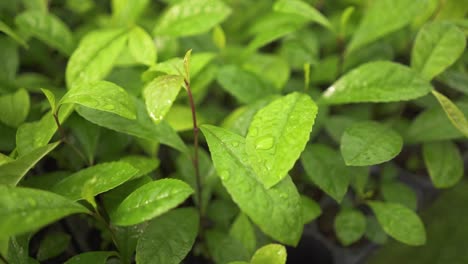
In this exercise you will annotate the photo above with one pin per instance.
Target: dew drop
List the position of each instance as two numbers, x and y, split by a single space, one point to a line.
235 144
264 143
284 195
224 175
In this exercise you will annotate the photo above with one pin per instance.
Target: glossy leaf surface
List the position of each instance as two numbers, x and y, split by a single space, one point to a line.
160 94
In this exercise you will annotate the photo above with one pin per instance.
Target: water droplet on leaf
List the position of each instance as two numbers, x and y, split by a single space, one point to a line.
264 143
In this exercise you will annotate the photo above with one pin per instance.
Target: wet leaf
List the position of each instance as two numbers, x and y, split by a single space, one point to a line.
160 94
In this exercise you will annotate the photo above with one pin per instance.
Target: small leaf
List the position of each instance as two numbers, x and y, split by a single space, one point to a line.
374 82
270 254
151 200
160 94
87 134
168 238
310 209
368 143
350 226
23 209
53 245
103 96
223 248
444 163
277 136
191 17
243 231
95 56
219 37
326 168
142 46
12 172
396 192
11 33
93 257
127 12
95 180
277 211
47 28
50 98
437 46
187 58
455 115
303 9
400 222
14 108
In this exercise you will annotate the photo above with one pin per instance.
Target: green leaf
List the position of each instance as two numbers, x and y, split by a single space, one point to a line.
142 127
223 248
437 46
5 159
23 209
48 28
219 37
95 56
18 249
310 209
272 69
277 136
243 231
350 226
93 257
275 32
142 46
12 172
243 85
270 254
53 245
151 200
144 164
51 99
300 8
127 12
384 17
400 222
325 167
368 143
168 238
87 134
191 17
10 63
12 34
160 94
455 115
277 211
374 231
95 180
14 108
396 192
103 96
380 81
444 163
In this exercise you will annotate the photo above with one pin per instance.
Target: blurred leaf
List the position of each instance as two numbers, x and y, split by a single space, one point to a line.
444 163
127 12
160 94
303 9
396 192
12 34
224 248
310 209
350 226
141 45
94 257
14 108
243 231
374 231
272 69
53 245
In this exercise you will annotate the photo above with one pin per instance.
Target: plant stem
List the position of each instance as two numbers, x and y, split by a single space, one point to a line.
2 258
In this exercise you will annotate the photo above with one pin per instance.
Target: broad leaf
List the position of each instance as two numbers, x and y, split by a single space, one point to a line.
141 45
151 200
400 222
368 143
127 12
14 108
47 28
350 226
455 115
53 245
103 96
277 136
444 163
191 17
300 8
93 257
243 231
310 209
325 167
95 56
272 69
12 34
270 254
24 209
384 17
95 180
396 192
277 211
160 94
380 81
143 164
168 238
437 46
12 172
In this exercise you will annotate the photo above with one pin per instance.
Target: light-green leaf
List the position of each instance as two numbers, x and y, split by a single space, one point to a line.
144 164
381 81
455 115
270 254
444 163
151 200
12 172
310 209
350 226
277 136
384 17
14 108
191 17
243 231
48 28
94 180
127 12
93 257
51 99
160 94
103 96
325 167
95 56
168 238
142 46
23 209
437 46
303 9
368 143
277 211
400 222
